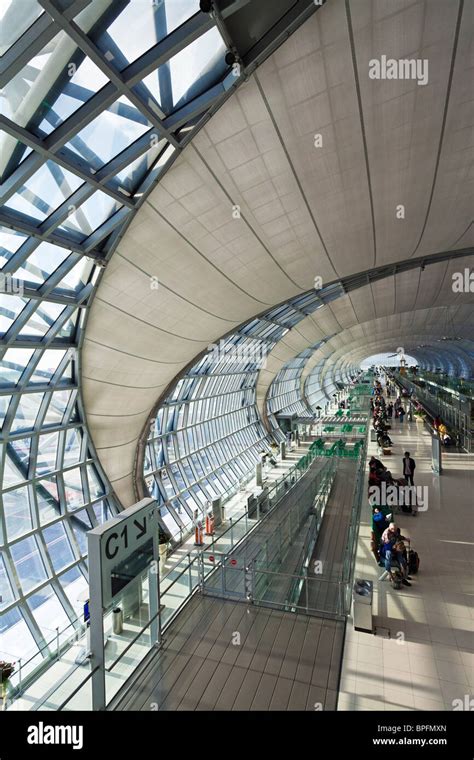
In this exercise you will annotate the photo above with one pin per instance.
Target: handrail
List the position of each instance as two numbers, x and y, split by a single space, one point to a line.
58 685
133 641
78 688
44 664
328 466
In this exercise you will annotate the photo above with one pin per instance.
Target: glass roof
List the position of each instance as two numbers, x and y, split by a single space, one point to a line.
79 151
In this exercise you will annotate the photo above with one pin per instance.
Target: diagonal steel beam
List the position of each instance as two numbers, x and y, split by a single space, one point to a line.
115 78
13 221
32 41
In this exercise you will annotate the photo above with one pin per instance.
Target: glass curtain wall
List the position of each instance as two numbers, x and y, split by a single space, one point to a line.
83 139
207 434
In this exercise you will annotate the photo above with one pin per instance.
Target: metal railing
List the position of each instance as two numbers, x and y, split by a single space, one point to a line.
268 543
174 595
26 671
316 596
436 405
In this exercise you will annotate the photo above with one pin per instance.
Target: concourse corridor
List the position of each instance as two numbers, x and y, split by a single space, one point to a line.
422 657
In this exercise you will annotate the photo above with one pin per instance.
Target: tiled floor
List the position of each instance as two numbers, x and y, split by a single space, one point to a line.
428 661
224 656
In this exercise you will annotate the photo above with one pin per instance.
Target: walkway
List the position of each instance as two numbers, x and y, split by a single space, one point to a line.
326 563
63 675
224 656
428 661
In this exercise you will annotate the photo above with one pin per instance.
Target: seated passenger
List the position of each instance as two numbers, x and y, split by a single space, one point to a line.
384 440
379 523
393 548
375 464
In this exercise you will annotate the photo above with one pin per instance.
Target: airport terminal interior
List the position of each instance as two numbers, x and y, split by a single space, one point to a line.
236 355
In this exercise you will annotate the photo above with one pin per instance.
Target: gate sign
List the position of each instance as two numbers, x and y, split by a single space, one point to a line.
117 541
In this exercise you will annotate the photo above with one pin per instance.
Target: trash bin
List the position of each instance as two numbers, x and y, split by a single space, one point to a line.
362 599
117 620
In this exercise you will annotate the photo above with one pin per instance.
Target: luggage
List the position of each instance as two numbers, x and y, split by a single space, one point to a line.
413 561
396 579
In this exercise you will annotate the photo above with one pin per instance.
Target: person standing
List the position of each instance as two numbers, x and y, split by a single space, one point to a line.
401 414
408 468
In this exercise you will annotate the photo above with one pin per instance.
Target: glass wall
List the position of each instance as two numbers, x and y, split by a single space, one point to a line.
77 155
207 434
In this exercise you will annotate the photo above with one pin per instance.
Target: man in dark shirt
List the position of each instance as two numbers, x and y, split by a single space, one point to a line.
408 468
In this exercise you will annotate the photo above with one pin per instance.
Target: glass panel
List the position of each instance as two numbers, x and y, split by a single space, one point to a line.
28 563
10 241
10 308
45 191
17 641
93 212
101 511
109 133
48 500
73 488
15 19
74 585
57 408
43 319
44 260
13 364
46 457
49 615
69 326
19 455
4 404
140 25
77 277
81 524
67 97
6 593
27 411
46 367
17 512
72 450
132 175
58 546
95 486
189 73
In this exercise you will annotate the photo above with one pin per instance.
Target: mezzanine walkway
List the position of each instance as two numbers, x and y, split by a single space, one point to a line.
219 655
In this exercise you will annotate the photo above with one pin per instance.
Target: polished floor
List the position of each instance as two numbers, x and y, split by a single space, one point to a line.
219 655
422 657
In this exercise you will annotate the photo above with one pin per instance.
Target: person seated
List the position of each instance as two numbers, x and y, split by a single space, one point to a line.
393 549
379 523
384 440
386 476
375 464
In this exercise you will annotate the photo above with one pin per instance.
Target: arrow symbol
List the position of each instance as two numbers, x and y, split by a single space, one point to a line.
142 528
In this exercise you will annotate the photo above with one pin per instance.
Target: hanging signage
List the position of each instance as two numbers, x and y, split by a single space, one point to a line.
122 547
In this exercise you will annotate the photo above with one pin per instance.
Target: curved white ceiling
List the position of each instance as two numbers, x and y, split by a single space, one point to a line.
304 211
394 308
